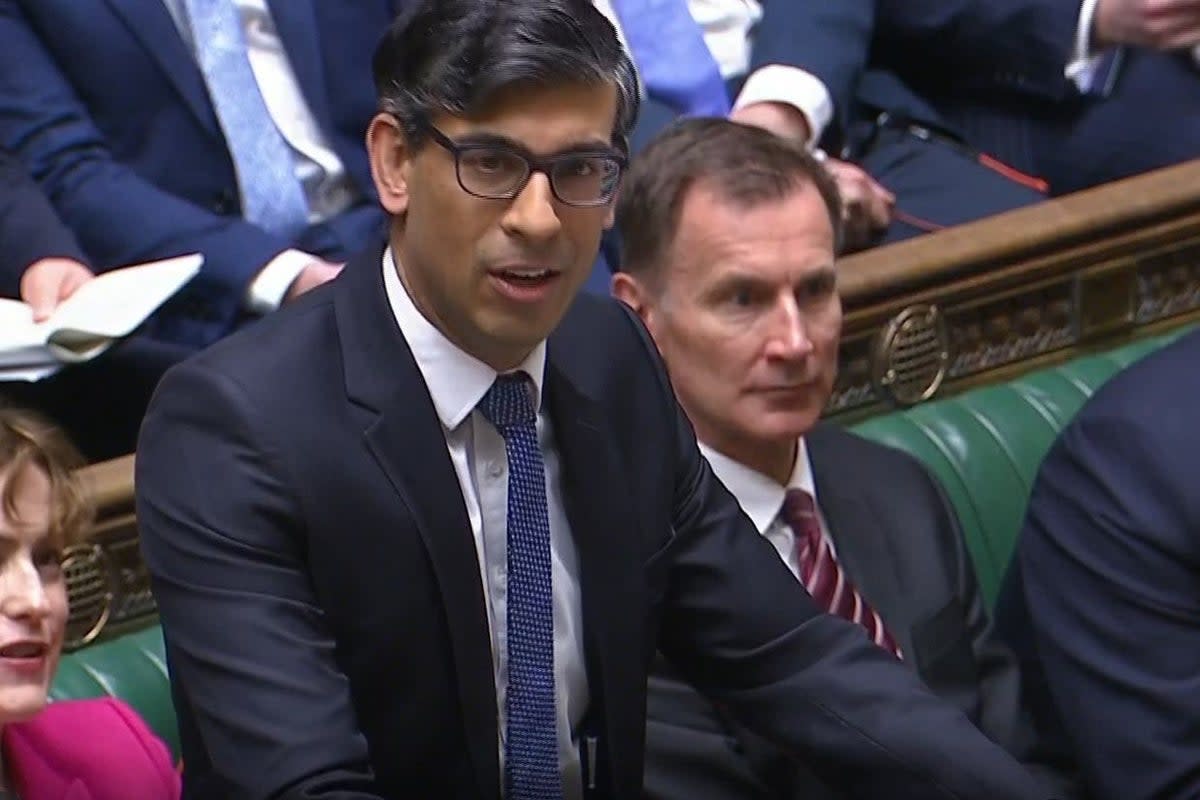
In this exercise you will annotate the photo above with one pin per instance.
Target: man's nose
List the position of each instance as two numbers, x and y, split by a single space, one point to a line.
789 337
533 214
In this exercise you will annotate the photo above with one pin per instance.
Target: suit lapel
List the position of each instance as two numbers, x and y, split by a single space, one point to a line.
296 22
151 23
863 548
602 527
405 437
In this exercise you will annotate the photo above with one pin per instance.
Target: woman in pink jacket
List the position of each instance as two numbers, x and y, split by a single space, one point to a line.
72 750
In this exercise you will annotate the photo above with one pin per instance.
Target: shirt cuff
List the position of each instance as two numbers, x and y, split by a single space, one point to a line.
267 291
777 83
1084 63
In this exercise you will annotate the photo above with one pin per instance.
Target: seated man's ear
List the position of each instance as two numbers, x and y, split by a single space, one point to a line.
628 290
391 162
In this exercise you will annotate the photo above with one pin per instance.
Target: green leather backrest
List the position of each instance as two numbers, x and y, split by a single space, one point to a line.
985 446
132 667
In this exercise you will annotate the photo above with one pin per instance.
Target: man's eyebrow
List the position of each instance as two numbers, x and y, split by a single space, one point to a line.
499 140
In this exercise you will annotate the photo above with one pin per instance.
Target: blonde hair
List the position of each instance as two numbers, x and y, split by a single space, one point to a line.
27 439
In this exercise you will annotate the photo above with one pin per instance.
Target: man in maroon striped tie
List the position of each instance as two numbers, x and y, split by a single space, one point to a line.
728 236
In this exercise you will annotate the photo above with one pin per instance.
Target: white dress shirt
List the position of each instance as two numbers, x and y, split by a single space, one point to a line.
457 383
762 498
327 188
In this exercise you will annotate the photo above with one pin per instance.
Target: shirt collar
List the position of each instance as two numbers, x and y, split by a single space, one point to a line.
759 496
457 381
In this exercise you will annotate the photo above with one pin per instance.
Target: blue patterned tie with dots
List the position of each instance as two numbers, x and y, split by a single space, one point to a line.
531 761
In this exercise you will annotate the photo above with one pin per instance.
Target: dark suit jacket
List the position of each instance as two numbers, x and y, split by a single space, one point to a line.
866 52
102 99
1107 564
991 73
29 229
899 542
320 596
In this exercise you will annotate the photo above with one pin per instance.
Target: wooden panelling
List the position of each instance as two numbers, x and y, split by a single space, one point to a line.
1019 290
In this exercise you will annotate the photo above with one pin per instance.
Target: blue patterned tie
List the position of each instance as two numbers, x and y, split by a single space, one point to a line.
531 762
674 62
271 194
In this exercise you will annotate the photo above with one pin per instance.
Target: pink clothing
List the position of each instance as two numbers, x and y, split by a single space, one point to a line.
88 750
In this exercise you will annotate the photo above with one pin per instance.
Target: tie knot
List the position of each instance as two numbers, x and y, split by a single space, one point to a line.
509 402
798 507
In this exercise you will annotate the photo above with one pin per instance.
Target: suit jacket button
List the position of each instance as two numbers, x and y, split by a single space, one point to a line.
224 203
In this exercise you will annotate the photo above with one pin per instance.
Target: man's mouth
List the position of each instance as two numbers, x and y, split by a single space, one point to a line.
524 284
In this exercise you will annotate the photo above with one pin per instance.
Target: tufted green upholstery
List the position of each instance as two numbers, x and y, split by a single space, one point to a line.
131 667
985 445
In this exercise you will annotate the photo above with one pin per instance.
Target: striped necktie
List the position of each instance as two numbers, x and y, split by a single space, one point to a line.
823 576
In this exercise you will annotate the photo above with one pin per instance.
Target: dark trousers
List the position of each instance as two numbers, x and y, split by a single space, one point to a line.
936 181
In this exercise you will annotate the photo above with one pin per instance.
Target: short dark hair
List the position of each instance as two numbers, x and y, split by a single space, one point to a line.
742 165
453 55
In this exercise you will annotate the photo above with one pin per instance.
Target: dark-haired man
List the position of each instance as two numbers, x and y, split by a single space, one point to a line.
729 236
408 543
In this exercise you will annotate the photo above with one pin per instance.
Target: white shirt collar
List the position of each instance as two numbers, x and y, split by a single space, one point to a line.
457 381
759 496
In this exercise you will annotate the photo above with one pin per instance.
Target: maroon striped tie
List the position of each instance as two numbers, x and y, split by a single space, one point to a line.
822 576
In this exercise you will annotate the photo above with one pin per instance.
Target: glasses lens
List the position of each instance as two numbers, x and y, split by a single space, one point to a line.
586 179
491 172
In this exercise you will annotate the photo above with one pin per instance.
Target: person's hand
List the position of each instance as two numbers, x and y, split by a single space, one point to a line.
48 282
780 119
866 206
312 276
1157 24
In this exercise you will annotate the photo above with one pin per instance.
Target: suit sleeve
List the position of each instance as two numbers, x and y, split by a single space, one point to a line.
1003 712
1015 45
221 538
118 216
738 625
29 228
1109 560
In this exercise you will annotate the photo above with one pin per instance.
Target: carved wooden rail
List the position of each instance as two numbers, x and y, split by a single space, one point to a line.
982 302
107 582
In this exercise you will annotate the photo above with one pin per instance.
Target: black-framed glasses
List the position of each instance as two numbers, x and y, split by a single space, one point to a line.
583 179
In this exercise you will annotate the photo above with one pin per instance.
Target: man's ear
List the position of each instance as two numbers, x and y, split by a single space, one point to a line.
391 162
630 291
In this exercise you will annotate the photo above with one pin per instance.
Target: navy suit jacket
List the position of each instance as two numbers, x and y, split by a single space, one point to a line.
991 73
102 99
921 57
899 542
324 617
1106 595
29 228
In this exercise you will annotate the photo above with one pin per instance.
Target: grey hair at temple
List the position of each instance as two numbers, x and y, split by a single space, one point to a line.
454 55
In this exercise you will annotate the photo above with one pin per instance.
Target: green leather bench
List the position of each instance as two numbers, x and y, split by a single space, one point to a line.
984 446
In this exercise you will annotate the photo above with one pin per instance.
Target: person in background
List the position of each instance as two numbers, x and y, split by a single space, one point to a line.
98 749
962 108
101 403
730 236
233 128
1102 600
